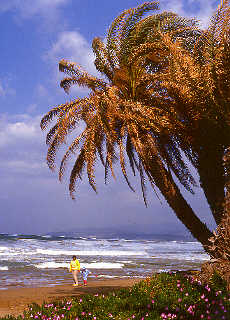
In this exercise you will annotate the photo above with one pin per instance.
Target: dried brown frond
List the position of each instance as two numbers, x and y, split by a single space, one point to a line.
128 112
76 172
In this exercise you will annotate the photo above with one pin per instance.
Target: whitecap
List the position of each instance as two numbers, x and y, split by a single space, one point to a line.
94 265
4 268
109 253
52 265
103 265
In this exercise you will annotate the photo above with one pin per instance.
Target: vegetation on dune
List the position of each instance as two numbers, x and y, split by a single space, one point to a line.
164 94
163 296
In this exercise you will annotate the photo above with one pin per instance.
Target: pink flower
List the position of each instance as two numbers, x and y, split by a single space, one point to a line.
153 301
189 309
179 300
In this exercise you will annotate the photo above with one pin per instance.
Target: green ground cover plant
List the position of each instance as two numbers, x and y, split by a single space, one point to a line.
162 296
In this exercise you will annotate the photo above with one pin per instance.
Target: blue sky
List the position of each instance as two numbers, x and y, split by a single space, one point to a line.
35 35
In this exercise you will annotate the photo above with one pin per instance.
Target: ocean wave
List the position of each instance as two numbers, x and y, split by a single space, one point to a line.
103 265
4 268
109 253
94 265
52 265
183 256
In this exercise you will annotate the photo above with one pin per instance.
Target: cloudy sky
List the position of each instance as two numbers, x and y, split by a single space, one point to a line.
35 35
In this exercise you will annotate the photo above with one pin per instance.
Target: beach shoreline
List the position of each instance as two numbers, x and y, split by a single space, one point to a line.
14 301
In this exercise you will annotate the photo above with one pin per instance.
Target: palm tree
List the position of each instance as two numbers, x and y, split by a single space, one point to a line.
198 83
197 80
128 115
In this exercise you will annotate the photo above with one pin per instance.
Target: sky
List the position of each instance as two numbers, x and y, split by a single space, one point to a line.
35 35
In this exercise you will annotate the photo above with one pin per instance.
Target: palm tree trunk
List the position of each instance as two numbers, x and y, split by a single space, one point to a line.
212 180
165 183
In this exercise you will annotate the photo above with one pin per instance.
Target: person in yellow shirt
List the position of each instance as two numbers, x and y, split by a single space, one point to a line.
74 268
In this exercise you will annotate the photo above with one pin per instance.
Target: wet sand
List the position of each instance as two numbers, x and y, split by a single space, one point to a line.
15 301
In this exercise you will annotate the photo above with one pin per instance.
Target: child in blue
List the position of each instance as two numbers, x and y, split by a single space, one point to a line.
85 274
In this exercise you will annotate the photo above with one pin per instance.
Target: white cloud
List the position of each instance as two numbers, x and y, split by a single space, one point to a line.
203 13
22 147
23 166
207 9
28 8
49 10
2 91
5 88
23 128
72 46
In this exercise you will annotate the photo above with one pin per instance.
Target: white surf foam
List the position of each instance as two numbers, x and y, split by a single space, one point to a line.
183 256
109 253
4 268
94 265
103 265
52 265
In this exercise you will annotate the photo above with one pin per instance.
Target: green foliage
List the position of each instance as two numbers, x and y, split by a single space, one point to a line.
217 282
163 296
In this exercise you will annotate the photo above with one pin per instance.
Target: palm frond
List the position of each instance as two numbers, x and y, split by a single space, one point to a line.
130 153
78 76
143 185
101 61
54 113
122 163
71 150
118 34
76 172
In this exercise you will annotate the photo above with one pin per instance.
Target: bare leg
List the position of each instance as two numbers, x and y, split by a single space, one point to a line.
74 273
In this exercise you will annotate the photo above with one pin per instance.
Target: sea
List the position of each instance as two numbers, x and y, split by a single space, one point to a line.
43 260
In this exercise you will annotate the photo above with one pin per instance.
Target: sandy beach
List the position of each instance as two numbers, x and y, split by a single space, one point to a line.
15 301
